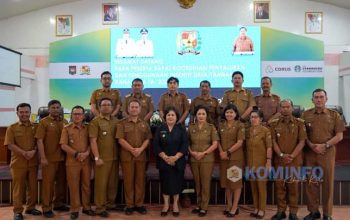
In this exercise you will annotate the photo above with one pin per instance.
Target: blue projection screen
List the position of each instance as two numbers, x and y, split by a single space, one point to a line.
192 54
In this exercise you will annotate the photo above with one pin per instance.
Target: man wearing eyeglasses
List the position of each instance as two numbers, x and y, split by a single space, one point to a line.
75 142
105 92
102 131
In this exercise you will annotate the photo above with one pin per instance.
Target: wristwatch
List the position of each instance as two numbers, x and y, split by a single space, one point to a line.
328 145
281 154
96 158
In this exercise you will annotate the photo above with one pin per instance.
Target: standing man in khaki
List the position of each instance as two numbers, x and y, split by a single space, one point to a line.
20 140
207 100
174 98
267 102
75 142
145 100
104 148
288 137
105 92
134 135
324 130
240 97
52 159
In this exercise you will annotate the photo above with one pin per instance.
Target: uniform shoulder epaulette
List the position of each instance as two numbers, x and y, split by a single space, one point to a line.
273 121
274 95
227 91
333 111
300 120
147 95
128 95
69 124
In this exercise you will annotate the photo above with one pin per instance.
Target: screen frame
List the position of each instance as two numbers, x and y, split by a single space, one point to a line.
20 63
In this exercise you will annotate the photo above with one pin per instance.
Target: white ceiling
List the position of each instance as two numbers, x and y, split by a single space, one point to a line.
10 8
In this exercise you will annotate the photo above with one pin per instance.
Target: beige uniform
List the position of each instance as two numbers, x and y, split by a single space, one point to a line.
258 141
107 175
24 172
179 101
287 132
229 135
320 128
78 172
146 104
242 99
54 174
99 94
134 168
269 105
201 140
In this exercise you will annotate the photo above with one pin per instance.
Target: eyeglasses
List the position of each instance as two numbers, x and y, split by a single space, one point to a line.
77 114
106 105
254 116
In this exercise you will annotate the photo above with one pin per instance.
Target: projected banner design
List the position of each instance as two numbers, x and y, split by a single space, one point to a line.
190 53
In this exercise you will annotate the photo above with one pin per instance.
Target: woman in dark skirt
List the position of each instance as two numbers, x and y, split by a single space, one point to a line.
171 145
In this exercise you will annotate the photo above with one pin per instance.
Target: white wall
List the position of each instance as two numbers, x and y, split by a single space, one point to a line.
31 33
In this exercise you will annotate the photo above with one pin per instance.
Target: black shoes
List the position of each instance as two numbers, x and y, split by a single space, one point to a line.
164 213
61 208
89 212
103 214
231 215
293 216
142 210
202 213
74 215
18 216
313 216
325 217
33 212
48 214
176 214
128 211
279 216
195 210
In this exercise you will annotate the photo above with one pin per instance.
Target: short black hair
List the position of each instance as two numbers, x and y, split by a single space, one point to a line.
22 105
258 112
134 100
136 80
103 99
106 73
237 72
78 107
243 28
318 90
231 107
205 81
169 109
199 107
266 77
53 102
171 79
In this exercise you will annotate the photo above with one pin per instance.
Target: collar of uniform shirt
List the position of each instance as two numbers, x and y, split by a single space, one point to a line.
106 89
79 126
324 110
59 118
137 95
241 89
176 93
287 118
130 119
27 123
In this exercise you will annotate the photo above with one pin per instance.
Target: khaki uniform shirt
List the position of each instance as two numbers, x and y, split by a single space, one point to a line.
269 105
22 135
104 130
258 141
76 138
229 136
135 133
211 103
288 132
202 139
145 100
242 99
324 126
179 101
99 94
49 130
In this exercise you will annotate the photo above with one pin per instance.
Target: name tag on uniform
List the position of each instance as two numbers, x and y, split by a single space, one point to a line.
104 133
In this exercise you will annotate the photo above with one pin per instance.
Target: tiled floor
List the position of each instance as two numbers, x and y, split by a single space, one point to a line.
215 212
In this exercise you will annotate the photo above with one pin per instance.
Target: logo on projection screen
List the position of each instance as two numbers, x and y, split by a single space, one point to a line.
188 42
